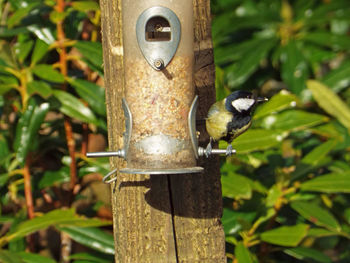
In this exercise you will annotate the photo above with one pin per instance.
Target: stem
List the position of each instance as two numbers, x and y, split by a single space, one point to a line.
61 37
28 190
29 202
71 149
66 242
66 247
85 140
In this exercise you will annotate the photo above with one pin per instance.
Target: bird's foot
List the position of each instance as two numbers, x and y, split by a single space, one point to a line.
208 150
229 150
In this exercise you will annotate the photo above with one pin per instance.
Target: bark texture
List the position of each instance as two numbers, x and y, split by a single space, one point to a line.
163 218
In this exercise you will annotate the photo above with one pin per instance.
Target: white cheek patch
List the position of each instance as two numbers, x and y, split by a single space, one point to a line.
243 104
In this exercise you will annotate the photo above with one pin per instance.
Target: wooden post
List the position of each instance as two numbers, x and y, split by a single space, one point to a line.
163 218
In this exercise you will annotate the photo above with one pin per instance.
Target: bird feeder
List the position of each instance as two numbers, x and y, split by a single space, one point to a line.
160 102
159 91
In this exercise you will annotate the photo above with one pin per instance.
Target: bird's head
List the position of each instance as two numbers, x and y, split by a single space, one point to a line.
242 101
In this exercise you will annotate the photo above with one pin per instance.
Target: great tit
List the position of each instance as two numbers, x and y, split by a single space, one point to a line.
230 117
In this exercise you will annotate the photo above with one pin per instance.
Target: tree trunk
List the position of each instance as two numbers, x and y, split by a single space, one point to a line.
163 218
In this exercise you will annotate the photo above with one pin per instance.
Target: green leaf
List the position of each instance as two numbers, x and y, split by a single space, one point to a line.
316 214
4 149
330 102
339 27
43 33
314 158
294 67
22 49
51 178
327 39
47 72
330 130
330 183
7 83
57 218
289 236
34 258
273 195
92 93
256 140
39 87
278 102
40 49
7 56
10 32
57 17
305 253
19 14
10 257
321 232
236 186
233 221
91 237
322 13
339 78
269 214
27 128
316 54
293 120
234 51
242 254
229 22
4 88
85 6
92 51
240 71
74 108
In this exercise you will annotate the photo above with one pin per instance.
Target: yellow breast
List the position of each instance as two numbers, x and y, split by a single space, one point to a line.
217 120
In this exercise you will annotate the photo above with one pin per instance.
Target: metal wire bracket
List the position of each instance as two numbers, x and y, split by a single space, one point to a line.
121 153
104 179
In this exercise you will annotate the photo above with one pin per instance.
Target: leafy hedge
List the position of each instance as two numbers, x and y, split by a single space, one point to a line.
286 191
50 100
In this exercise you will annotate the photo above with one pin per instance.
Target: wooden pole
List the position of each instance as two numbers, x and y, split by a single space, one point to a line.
163 218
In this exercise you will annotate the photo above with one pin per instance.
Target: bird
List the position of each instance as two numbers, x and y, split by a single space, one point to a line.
230 117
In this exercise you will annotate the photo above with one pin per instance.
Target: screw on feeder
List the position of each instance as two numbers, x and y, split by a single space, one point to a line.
158 64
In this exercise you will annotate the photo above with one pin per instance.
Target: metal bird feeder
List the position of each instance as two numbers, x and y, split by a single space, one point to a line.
158 62
160 103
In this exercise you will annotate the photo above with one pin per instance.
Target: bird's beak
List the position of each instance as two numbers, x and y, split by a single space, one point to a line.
261 99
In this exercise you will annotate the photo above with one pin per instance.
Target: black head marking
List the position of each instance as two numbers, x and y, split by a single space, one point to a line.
239 94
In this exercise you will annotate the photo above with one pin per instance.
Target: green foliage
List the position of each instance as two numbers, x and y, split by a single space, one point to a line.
50 100
286 190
